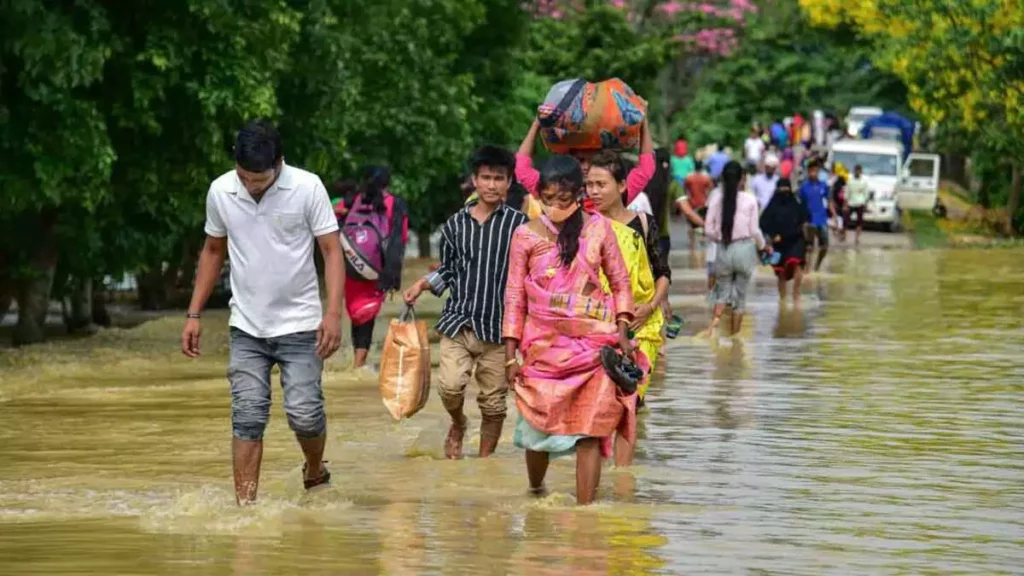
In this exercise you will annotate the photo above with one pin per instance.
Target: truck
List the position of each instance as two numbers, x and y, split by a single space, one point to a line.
897 180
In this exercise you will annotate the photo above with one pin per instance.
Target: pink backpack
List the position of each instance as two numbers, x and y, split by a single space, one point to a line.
364 238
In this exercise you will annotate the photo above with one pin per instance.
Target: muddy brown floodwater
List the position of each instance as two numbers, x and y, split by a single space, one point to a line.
875 430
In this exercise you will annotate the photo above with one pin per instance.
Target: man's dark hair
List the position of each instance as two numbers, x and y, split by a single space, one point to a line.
698 165
494 157
814 164
258 146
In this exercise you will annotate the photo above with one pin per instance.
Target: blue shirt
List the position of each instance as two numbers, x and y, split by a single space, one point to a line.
814 195
716 163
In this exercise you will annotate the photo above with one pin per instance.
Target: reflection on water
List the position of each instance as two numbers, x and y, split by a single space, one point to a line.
873 429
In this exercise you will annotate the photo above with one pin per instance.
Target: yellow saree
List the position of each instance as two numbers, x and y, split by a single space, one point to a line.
641 280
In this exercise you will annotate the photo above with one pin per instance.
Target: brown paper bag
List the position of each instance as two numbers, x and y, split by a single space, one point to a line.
405 366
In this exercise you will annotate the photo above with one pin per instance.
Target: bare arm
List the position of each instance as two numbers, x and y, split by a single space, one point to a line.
334 272
683 204
211 261
526 147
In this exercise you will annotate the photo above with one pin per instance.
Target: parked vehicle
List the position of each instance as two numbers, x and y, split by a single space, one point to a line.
881 161
890 126
918 188
856 117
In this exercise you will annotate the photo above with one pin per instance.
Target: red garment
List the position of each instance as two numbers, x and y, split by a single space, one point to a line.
786 168
697 186
363 298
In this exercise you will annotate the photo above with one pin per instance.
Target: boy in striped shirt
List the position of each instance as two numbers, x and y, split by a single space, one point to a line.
474 269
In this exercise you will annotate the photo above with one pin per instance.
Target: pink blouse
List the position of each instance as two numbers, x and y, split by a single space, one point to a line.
744 224
636 180
527 259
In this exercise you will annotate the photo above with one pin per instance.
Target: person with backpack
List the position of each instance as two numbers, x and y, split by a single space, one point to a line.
373 238
649 274
475 246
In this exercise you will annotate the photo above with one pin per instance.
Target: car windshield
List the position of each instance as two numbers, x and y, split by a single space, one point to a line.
874 164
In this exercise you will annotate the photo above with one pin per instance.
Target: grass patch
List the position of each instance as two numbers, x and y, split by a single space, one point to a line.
924 229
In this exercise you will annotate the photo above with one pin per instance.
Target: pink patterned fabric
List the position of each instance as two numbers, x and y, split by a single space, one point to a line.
562 318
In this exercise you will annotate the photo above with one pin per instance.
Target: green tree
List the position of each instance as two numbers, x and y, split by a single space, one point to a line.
783 65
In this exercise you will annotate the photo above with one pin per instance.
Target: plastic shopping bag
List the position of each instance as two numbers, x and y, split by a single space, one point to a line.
405 366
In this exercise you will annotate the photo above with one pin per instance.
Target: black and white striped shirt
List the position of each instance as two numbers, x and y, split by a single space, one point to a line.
474 267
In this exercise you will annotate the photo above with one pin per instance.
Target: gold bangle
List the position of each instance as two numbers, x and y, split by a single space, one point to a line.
511 362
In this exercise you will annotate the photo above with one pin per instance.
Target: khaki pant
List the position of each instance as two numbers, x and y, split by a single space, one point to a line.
458 357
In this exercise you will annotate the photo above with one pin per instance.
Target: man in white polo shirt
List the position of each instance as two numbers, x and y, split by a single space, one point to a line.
265 215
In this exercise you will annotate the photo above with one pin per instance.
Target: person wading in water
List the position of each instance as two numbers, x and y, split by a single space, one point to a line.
649 274
474 268
559 317
266 215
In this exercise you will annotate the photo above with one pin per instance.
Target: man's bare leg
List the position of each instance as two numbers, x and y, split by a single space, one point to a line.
624 451
782 287
588 470
798 280
821 257
246 456
313 450
536 469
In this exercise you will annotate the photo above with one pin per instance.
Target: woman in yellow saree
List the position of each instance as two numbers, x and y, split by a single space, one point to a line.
649 274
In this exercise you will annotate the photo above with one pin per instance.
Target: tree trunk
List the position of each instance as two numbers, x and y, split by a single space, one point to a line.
33 295
32 290
100 315
1013 202
152 290
6 294
423 240
80 319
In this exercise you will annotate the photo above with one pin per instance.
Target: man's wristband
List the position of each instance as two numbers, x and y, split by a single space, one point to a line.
193 315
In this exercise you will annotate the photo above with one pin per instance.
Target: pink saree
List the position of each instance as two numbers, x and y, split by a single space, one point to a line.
562 318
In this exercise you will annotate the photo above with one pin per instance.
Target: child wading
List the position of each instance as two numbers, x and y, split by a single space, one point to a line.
474 268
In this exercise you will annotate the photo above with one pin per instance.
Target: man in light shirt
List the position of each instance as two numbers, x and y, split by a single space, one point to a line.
764 183
267 215
753 148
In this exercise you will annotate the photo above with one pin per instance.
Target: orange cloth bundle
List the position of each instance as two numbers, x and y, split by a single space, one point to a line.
581 115
405 366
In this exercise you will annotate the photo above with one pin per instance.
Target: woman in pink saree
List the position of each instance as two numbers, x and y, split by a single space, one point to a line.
558 317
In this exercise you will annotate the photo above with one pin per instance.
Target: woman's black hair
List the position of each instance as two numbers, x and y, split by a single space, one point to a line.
731 176
657 188
376 179
612 162
565 173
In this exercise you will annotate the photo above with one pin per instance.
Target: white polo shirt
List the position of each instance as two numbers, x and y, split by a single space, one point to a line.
274 287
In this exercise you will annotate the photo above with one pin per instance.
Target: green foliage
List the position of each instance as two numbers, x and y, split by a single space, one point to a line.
784 65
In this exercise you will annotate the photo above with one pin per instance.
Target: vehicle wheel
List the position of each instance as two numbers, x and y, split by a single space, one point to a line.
894 226
939 210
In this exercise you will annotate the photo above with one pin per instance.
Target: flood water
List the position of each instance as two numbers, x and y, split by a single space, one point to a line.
875 430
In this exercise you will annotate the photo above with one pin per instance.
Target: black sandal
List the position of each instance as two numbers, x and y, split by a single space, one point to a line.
324 478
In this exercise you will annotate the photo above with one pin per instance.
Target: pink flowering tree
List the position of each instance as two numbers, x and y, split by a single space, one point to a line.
657 46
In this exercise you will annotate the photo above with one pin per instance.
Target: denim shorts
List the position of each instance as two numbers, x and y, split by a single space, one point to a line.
249 374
